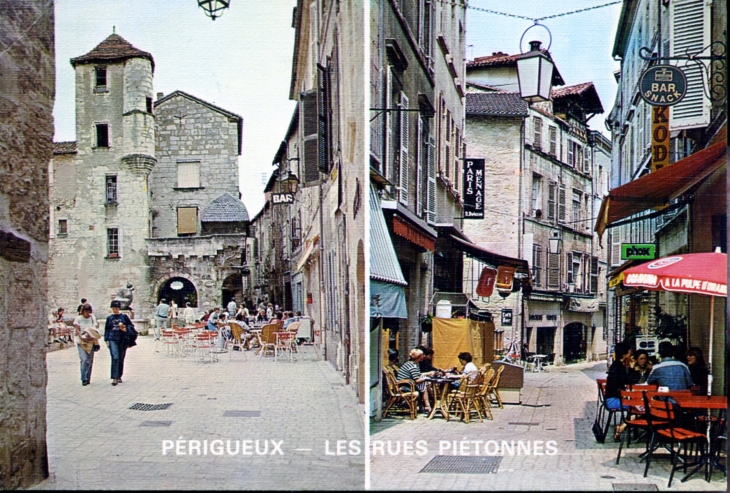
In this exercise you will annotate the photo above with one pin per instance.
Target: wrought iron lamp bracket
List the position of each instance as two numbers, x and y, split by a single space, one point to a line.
714 86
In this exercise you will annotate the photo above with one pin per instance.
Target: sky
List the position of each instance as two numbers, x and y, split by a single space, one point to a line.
242 60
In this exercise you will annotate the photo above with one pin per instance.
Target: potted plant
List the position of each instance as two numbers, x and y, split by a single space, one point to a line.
426 323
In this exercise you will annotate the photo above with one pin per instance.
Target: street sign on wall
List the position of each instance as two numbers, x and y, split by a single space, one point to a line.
474 189
282 198
506 318
638 251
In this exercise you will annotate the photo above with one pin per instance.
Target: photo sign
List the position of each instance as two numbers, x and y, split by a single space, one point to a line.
474 189
663 85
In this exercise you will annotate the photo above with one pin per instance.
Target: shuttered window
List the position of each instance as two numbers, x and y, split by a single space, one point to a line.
404 132
188 174
323 117
537 123
537 265
309 125
421 144
553 140
552 187
561 204
187 220
431 179
689 24
594 275
615 248
553 273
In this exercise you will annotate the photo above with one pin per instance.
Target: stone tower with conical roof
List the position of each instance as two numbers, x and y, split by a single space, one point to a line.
108 218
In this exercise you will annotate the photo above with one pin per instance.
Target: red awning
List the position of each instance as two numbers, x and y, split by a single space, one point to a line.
413 234
660 187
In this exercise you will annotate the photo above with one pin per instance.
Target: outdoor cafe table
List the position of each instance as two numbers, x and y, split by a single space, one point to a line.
441 391
704 402
537 359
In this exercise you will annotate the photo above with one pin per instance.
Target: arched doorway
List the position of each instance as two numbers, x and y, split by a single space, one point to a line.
575 336
232 288
181 290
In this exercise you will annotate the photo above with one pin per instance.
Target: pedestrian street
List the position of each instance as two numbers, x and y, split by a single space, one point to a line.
554 448
242 422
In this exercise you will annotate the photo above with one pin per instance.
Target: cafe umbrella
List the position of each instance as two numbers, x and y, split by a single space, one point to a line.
690 273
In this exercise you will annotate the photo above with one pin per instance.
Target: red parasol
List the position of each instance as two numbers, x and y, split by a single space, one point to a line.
691 273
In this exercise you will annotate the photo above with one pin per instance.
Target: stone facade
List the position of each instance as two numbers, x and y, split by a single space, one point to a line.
27 79
116 206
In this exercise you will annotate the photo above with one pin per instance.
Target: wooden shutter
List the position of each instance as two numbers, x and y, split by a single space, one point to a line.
689 25
553 277
309 123
404 159
323 117
420 145
388 154
615 248
561 204
431 179
594 275
187 220
551 200
569 267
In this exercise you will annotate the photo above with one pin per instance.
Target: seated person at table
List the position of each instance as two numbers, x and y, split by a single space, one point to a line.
426 364
620 374
642 366
213 319
393 361
410 371
466 361
697 368
670 372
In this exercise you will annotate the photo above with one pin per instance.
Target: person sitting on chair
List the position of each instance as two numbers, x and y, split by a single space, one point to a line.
697 368
620 374
670 372
411 371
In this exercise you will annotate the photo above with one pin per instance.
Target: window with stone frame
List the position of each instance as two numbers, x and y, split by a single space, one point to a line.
100 79
187 221
594 275
102 135
553 140
112 242
552 190
62 229
577 200
148 102
111 189
188 174
561 204
536 193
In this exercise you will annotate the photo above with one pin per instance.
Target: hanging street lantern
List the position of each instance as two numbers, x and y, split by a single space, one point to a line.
214 8
290 183
555 243
535 74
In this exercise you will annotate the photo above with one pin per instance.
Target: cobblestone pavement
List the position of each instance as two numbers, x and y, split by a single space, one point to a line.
95 441
558 406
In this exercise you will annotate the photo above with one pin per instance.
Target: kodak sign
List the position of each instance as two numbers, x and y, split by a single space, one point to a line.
659 137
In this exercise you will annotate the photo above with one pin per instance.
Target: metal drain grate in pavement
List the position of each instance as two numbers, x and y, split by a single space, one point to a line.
155 423
454 464
634 487
140 406
523 423
242 414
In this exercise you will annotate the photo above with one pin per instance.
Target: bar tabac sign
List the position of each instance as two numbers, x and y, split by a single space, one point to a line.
474 189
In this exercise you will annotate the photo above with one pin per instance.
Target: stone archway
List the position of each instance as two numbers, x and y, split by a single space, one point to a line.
232 287
179 289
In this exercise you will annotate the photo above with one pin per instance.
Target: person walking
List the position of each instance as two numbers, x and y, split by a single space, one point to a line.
86 333
173 313
189 314
232 306
163 311
117 324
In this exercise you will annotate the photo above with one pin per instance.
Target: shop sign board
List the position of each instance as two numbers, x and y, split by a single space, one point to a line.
506 318
638 251
659 137
663 85
474 189
282 198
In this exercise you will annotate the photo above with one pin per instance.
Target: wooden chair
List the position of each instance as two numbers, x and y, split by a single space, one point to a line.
465 400
493 390
237 339
396 395
482 397
268 339
672 433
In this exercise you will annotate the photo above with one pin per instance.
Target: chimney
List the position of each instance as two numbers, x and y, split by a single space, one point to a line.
160 94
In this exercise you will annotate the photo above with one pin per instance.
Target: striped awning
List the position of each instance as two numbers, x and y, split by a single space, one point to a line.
384 265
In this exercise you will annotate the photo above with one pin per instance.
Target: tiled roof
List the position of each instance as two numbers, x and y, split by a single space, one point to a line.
496 104
585 92
224 209
576 89
483 87
64 147
500 59
113 49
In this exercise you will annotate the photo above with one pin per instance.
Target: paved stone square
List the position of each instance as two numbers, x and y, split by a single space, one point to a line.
558 405
300 409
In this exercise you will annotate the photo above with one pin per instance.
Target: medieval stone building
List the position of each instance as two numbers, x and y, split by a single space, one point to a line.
147 194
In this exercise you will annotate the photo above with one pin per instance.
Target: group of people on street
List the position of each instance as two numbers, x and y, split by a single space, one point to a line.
628 369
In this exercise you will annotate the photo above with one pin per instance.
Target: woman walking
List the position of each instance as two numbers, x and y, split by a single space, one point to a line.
117 325
86 334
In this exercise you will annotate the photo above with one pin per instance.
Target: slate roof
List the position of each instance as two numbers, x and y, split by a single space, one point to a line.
64 147
113 49
224 209
496 104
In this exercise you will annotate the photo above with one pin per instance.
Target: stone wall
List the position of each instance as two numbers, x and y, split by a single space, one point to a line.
27 73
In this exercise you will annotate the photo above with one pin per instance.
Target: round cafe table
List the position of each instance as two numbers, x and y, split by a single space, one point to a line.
441 391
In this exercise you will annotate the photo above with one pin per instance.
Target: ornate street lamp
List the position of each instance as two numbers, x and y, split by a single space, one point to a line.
290 183
555 243
214 8
535 74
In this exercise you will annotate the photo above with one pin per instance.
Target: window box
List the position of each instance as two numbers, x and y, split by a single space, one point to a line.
113 255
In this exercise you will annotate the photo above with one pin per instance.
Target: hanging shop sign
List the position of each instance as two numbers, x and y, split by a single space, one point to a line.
282 198
485 287
638 251
506 318
659 137
505 277
474 189
663 85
